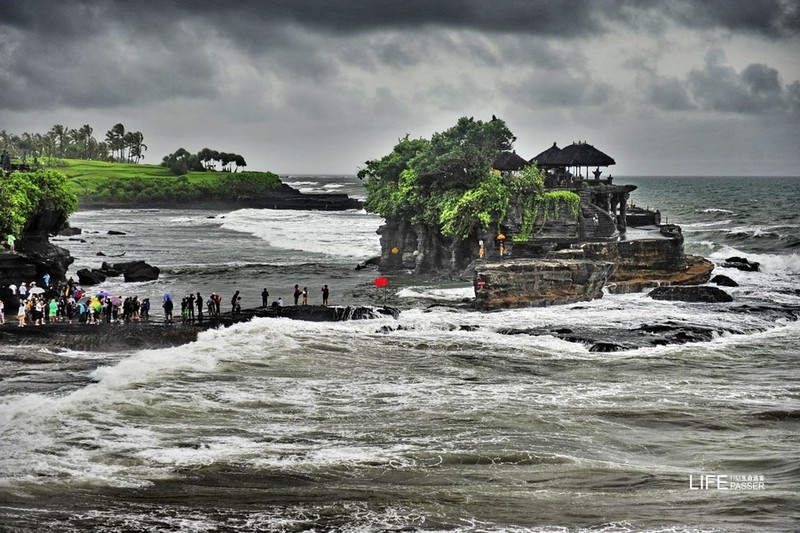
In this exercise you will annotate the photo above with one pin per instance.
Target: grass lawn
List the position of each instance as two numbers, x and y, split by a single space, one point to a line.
127 182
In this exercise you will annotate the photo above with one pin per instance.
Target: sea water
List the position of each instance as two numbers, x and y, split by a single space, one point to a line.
436 421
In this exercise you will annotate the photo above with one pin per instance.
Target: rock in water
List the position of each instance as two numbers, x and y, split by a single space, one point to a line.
723 281
741 263
90 277
703 294
539 282
137 271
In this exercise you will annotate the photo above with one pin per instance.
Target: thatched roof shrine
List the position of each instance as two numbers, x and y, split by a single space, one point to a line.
581 155
509 161
544 159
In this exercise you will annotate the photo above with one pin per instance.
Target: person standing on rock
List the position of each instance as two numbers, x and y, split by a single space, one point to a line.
305 295
190 308
10 239
297 293
325 294
21 313
168 305
199 303
234 300
265 298
145 309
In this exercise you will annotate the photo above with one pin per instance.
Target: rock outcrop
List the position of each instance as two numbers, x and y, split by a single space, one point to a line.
702 293
539 282
741 263
35 256
137 271
90 277
155 334
724 281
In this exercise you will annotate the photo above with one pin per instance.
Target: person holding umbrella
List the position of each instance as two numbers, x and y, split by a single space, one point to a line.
167 305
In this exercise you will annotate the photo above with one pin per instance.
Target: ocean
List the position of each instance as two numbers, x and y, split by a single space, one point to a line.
436 421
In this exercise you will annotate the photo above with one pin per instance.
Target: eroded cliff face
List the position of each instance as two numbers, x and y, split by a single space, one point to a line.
35 256
539 282
421 249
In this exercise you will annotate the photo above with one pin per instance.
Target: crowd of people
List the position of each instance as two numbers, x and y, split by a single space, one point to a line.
68 302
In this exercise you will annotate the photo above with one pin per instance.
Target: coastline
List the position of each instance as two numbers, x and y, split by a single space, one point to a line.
150 334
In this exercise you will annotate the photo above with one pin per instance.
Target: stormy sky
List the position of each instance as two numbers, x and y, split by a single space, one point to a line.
319 86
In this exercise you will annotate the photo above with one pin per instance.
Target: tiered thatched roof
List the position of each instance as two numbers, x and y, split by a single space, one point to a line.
545 158
581 155
509 161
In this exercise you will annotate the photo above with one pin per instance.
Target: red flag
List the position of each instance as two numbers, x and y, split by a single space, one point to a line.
382 282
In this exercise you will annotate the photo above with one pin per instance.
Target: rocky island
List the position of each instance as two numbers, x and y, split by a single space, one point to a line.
527 232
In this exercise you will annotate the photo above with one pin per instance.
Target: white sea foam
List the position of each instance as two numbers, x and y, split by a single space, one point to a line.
434 293
350 233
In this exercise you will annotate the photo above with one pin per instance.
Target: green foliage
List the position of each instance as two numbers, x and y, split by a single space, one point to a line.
545 207
23 195
445 182
249 183
487 203
529 181
182 161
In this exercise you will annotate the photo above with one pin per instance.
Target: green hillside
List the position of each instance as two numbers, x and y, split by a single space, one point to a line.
104 183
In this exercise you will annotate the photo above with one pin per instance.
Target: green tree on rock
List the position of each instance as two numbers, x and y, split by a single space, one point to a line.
25 196
447 182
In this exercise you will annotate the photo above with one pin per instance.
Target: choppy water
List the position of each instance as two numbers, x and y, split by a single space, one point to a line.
434 422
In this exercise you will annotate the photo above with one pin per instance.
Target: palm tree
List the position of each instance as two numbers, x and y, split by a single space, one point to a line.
116 140
60 132
137 146
85 133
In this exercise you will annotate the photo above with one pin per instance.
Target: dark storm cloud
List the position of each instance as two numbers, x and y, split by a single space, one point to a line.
102 53
771 18
565 18
719 87
670 94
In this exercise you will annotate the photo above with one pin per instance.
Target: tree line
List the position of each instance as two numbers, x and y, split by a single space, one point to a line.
75 143
182 161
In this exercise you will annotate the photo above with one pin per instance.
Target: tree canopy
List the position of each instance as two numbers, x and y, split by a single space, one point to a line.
23 195
448 181
75 143
181 161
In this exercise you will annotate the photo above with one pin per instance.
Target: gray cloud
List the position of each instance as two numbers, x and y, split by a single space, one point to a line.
718 87
670 94
347 77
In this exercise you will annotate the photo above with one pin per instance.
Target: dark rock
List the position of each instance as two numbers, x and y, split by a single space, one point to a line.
156 334
679 333
115 232
608 347
35 251
90 277
109 270
741 263
703 294
539 282
723 281
137 271
373 261
69 231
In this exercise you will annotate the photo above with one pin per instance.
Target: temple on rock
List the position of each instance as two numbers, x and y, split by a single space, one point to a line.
549 254
606 210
